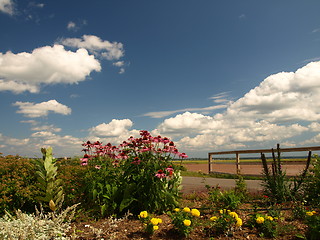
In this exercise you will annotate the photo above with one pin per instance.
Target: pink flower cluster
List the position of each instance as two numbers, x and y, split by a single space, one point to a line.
163 174
160 146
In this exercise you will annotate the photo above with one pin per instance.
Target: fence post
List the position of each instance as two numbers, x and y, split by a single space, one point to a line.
210 160
238 163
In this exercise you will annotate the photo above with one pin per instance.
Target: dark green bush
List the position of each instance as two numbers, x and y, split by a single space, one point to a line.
17 184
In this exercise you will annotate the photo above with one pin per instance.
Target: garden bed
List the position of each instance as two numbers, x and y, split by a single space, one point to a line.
130 227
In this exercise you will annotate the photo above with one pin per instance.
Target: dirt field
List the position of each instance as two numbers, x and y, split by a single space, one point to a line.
246 169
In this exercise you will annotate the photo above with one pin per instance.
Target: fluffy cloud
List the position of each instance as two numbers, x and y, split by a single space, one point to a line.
94 44
273 111
46 65
41 109
112 129
7 6
285 96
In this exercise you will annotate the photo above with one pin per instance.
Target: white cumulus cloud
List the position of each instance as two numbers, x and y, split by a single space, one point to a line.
114 128
42 109
94 44
285 105
7 6
45 65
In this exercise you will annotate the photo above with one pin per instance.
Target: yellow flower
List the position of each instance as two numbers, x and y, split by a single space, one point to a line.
159 220
269 218
195 212
187 222
260 220
239 222
214 218
155 228
143 214
154 221
314 212
233 214
309 214
186 209
221 211
176 209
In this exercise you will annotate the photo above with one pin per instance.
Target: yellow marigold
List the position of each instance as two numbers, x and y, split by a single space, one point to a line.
143 214
214 218
176 209
186 209
155 228
195 212
154 221
233 214
260 220
187 222
269 218
239 222
309 214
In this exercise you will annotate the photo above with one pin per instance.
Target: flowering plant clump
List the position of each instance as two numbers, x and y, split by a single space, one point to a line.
313 222
225 223
151 224
184 219
265 224
136 175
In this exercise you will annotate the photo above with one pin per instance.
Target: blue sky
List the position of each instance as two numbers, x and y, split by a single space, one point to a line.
211 75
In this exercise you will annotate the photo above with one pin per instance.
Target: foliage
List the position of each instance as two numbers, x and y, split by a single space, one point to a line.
137 175
73 182
51 187
313 222
311 186
17 184
266 225
184 219
226 222
36 226
230 199
275 182
241 187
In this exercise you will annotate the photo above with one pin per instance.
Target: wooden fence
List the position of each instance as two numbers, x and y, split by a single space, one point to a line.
237 154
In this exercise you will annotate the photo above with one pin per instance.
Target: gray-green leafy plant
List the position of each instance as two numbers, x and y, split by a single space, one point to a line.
50 185
40 225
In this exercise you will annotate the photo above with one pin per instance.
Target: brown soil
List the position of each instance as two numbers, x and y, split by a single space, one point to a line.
131 228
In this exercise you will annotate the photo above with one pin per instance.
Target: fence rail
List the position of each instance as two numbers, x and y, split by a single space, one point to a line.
238 152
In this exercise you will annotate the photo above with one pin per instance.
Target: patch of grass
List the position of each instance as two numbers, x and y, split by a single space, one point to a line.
217 175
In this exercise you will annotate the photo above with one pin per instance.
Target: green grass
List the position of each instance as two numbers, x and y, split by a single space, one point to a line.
217 175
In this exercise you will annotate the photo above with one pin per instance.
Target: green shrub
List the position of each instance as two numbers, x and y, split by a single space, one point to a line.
18 188
230 199
311 186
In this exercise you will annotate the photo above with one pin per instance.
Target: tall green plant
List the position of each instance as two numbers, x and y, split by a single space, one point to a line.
275 183
50 185
311 186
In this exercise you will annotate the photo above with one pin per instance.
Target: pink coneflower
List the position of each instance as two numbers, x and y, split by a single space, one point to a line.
160 174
